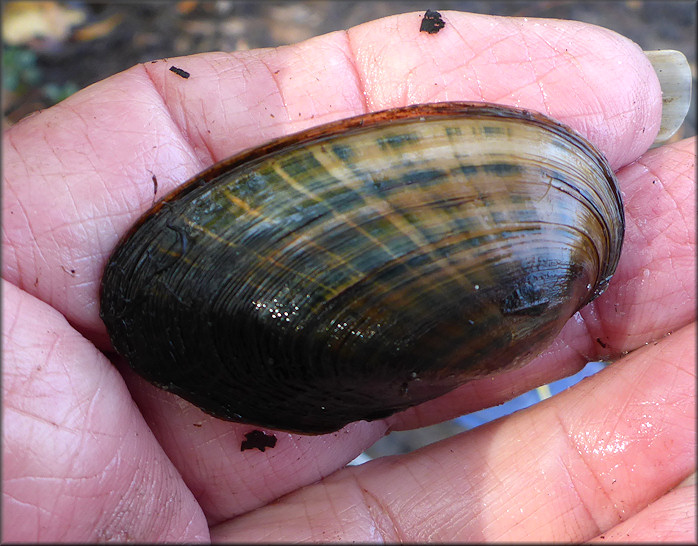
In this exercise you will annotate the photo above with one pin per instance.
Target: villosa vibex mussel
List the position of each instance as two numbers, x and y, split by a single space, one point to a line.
358 268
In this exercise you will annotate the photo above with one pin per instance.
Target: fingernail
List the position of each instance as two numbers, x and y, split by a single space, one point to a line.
675 77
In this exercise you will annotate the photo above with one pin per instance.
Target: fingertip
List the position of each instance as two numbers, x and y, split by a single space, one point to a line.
589 77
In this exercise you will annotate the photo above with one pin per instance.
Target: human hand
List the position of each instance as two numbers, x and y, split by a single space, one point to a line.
83 462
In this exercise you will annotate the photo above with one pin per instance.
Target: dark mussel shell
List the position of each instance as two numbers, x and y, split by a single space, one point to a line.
361 267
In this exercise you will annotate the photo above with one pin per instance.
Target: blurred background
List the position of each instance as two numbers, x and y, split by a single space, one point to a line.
52 49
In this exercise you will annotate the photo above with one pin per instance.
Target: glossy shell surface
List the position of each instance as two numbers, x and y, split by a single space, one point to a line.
362 267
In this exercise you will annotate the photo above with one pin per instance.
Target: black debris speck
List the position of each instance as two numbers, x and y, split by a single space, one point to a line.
182 73
432 22
257 439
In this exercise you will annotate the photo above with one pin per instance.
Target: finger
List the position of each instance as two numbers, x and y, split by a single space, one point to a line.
670 519
79 174
567 469
657 269
566 69
228 480
652 292
79 463
571 71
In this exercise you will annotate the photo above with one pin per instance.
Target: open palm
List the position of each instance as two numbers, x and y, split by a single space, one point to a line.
92 452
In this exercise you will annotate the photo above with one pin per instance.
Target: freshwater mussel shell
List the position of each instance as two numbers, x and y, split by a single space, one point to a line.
364 266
